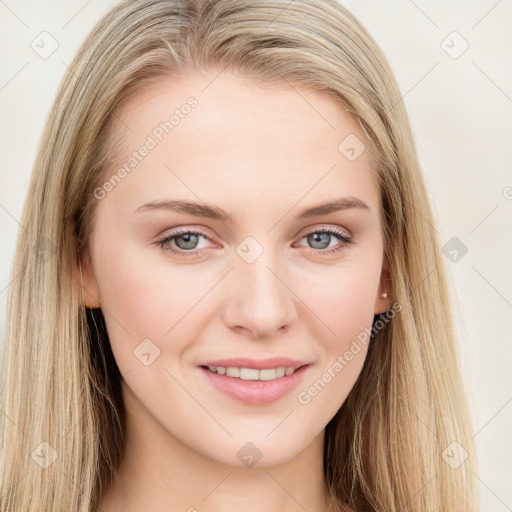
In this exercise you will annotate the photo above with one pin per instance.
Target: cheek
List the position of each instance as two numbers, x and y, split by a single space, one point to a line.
341 298
345 303
143 301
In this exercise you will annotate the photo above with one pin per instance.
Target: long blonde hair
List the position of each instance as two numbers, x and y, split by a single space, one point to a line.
62 429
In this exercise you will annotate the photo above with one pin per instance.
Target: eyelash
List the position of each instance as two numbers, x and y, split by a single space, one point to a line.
344 239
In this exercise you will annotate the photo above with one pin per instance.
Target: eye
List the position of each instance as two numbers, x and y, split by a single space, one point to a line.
183 242
187 242
321 239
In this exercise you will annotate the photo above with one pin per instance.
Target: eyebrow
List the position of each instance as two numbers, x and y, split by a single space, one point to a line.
216 213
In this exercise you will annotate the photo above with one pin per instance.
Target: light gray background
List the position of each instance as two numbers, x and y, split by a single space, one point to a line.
460 106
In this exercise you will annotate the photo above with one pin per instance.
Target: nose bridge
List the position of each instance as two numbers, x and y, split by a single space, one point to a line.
259 299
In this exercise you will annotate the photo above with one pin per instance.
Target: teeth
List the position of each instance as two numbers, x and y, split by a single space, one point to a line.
253 373
268 374
248 374
233 372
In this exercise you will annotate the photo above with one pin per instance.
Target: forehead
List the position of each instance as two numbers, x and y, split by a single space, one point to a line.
226 134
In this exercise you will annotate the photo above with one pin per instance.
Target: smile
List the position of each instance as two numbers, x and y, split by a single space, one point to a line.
253 373
254 386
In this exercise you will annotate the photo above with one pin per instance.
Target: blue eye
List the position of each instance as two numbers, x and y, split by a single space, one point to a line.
322 238
185 241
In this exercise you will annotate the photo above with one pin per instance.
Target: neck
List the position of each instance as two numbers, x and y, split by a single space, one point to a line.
158 472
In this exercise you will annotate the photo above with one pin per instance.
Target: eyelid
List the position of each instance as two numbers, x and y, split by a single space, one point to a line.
166 239
323 227
192 228
183 230
343 235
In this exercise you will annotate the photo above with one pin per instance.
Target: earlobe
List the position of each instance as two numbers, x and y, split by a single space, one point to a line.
85 282
384 300
383 303
90 287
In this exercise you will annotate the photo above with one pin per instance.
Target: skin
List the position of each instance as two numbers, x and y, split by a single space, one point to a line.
263 155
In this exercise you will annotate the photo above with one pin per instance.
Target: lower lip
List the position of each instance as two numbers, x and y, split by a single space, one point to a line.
256 392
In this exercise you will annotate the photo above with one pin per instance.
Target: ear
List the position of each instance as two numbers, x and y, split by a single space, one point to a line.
383 302
85 281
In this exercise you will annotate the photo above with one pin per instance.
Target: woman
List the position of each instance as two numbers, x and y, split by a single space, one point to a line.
231 289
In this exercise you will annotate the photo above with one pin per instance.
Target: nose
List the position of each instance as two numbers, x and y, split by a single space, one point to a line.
260 301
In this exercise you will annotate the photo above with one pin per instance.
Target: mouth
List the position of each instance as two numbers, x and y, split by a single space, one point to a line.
255 386
253 373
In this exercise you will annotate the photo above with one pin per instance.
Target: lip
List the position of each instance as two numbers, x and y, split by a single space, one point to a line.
256 392
258 364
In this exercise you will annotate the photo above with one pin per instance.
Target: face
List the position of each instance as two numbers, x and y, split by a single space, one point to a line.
208 251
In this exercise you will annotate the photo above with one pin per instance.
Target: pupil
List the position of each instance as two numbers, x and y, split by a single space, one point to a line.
190 241
322 238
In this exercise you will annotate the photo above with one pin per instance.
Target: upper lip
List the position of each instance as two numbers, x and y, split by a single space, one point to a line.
259 364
